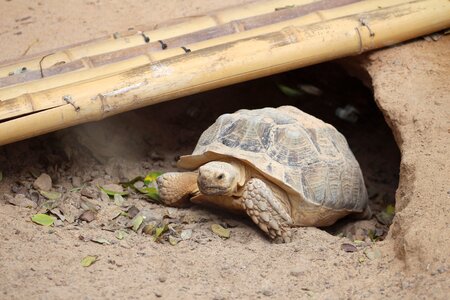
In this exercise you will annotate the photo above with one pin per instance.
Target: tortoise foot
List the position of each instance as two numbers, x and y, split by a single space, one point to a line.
175 188
267 211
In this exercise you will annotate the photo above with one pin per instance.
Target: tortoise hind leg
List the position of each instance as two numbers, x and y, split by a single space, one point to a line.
175 188
266 210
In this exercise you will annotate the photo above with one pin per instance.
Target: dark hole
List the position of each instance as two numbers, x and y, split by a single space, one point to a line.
172 129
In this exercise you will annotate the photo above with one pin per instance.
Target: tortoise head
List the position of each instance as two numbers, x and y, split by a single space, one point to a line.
218 178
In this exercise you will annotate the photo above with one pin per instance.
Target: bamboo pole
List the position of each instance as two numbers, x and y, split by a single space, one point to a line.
69 78
230 63
139 37
237 25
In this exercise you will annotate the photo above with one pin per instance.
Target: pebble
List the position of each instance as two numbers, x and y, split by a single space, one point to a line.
58 223
297 272
87 216
113 187
90 192
20 200
76 181
43 182
267 293
162 279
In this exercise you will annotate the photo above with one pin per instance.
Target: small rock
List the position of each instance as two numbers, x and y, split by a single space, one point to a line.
20 200
90 192
113 188
348 247
373 253
158 294
162 279
297 272
58 223
138 184
104 196
186 234
43 182
133 211
267 293
87 216
76 181
151 215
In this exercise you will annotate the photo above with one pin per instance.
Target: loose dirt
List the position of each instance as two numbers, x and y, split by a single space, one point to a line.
409 86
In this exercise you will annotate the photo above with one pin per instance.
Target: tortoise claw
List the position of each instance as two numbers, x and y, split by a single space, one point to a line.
267 211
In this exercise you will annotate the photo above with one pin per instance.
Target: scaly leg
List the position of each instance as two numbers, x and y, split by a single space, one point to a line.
267 211
175 188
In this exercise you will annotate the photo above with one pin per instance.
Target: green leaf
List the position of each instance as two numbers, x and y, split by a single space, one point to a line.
43 219
288 91
220 231
150 177
89 260
159 231
152 193
137 221
390 209
51 195
112 193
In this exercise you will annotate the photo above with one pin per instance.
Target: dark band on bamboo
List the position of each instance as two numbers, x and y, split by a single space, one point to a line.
364 23
69 100
40 64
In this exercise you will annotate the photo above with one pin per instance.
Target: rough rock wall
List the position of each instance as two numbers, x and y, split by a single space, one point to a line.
411 87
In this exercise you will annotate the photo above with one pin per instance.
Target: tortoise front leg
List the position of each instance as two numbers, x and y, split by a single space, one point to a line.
266 210
176 188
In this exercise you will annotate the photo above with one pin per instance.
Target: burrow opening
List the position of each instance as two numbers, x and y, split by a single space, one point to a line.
157 135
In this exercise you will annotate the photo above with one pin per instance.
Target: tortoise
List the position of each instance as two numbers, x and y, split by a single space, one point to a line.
281 166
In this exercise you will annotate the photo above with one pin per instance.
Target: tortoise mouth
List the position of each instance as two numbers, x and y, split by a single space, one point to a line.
212 190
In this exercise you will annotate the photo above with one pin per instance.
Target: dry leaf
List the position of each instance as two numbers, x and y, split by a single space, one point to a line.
220 231
89 260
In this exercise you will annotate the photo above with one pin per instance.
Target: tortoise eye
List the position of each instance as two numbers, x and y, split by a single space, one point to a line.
220 177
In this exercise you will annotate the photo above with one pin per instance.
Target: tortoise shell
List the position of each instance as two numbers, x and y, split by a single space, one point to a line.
300 153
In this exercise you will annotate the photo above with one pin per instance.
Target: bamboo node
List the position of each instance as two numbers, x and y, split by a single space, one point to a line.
361 50
366 24
105 107
70 101
40 63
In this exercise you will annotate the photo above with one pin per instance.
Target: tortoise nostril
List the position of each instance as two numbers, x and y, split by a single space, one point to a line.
221 176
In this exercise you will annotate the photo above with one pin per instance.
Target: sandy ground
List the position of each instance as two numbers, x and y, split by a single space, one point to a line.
44 263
